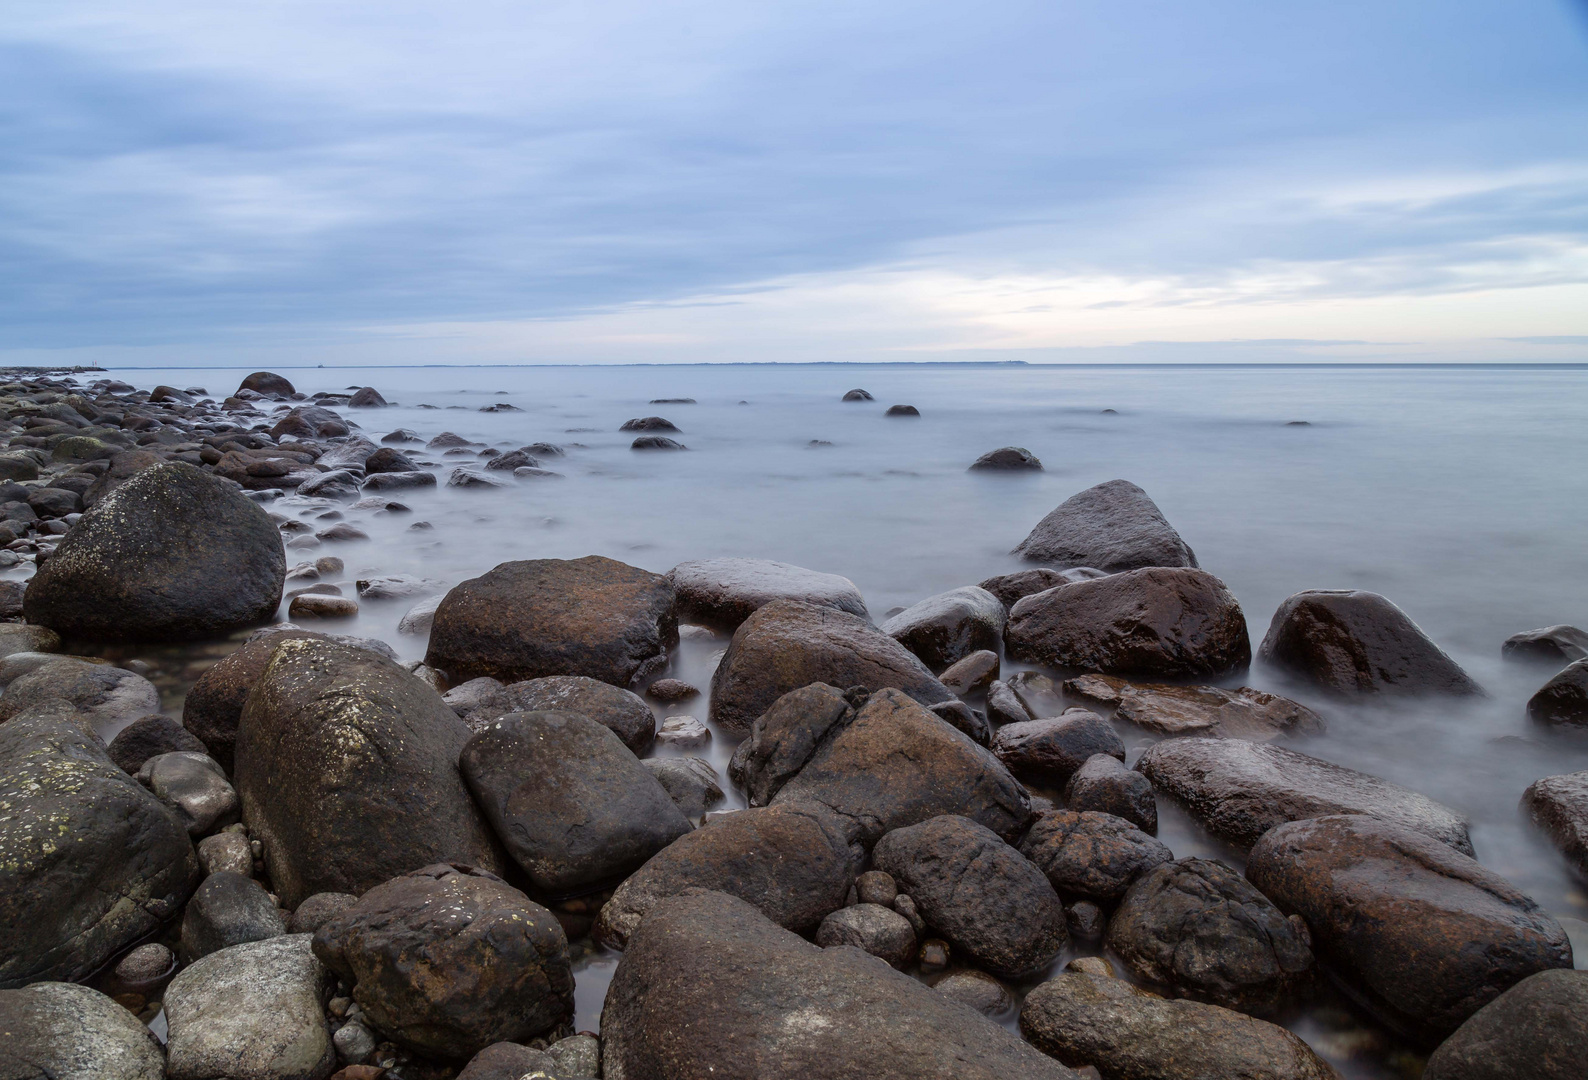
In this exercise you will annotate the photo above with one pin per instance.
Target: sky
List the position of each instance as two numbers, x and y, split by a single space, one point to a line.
605 181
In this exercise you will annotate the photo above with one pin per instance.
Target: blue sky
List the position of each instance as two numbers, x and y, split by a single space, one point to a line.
678 180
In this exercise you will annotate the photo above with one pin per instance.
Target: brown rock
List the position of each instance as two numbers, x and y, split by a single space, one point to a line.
1090 854
722 593
215 704
1210 711
1559 806
972 673
1011 587
1563 701
1114 527
1051 749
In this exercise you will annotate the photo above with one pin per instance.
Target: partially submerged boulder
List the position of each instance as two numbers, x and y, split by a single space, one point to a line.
1211 711
1563 701
948 627
1559 806
1554 646
1114 526
724 592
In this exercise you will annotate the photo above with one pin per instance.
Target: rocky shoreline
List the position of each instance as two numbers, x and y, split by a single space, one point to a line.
337 864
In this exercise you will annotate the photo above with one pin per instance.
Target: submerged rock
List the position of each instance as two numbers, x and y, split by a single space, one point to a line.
1536 1030
858 395
948 627
1008 459
724 592
63 1031
1113 527
1559 806
1211 711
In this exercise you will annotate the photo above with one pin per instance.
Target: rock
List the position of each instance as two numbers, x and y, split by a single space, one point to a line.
388 460
795 863
401 435
149 737
1091 855
934 955
895 764
977 989
123 466
625 713
228 909
214 705
495 963
420 617
317 910
1085 920
1563 701
70 907
468 478
1052 749
1554 645
784 737
337 484
347 769
145 966
320 606
723 593
1007 459
523 620
1419 933
572 805
1348 642
1003 705
858 395
398 481
195 786
648 423
683 733
1009 588
1104 784
656 442
354 1042
965 719
173 553
62 1031
268 383
1559 806
874 929
250 1012
1113 527
367 398
877 887
789 644
1239 790
342 531
310 422
1536 1030
1163 623
516 459
16 638
671 690
1210 711
765 1005
986 898
577 1056
1125 1031
902 410
508 1061
690 782
18 467
948 627
226 852
106 696
971 673
1196 927
395 586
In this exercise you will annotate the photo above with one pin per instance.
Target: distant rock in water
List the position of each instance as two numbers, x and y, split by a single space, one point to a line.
858 395
1008 459
1557 645
656 442
267 382
1114 526
1563 701
903 410
672 401
1298 423
649 423
367 397
724 592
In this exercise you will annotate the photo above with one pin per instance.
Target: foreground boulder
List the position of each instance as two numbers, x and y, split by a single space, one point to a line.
764 1004
1419 933
1536 1030
722 593
1349 642
106 696
1091 855
347 771
785 737
1124 1031
1559 806
1211 711
622 711
523 620
1239 790
1113 527
788 644
795 863
214 706
172 554
63 1031
948 627
495 965
1177 624
90 862
1563 701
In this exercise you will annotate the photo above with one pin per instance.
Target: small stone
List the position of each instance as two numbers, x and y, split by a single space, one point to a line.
1091 965
195 786
904 904
1008 458
342 531
683 732
577 1056
354 1043
876 887
902 410
319 606
670 690
226 852
977 989
1085 920
972 673
934 954
145 965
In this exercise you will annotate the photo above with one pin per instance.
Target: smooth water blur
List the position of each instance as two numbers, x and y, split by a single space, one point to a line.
1459 493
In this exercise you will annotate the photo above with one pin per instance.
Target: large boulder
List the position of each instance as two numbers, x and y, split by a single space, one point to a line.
214 706
494 964
1559 806
268 383
523 620
987 899
63 1031
764 1004
347 770
724 592
623 711
1239 790
90 862
1563 701
896 764
573 806
1536 1030
788 644
1090 855
1175 624
1419 933
1114 526
795 863
1213 711
948 627
1126 1032
107 697
1349 642
171 554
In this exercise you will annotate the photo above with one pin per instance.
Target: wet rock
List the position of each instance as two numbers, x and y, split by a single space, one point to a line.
795 863
105 695
516 459
1554 645
1210 711
1104 784
682 733
62 1031
226 852
648 423
1003 705
1559 806
347 769
624 712
150 737
1350 642
1536 1030
1125 1031
656 442
1113 527
809 1013
310 422
214 705
267 383
320 606
690 782
1239 790
1418 932
1009 588
388 460
1091 855
1165 623
784 737
523 620
317 910
977 989
971 673
123 467
1052 749
1085 920
1563 701
337 484
871 928
250 1012
902 410
986 898
468 478
173 553
948 627
18 467
419 618
789 644
401 435
1007 459
508 1061
367 398
396 586
127 869
146 966
577 1055
193 785
858 395
877 887
398 481
496 963
670 690
725 592
228 909
354 1042
965 719
18 638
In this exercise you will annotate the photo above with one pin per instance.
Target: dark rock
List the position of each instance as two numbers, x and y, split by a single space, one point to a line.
784 738
11 593
401 435
105 696
315 605
388 460
965 719
624 712
265 382
310 422
1556 645
448 440
1559 806
648 423
977 989
516 459
171 554
62 1031
1416 931
367 398
1239 790
656 442
877 887
523 620
1105 785
1536 1030
972 672
1004 705
1345 641
399 481
986 898
495 964
1085 920
1563 701
214 705
50 502
1210 711
1053 748
766 1005
948 627
228 909
508 1061
195 787
1113 527
1009 588
338 484
467 478
1089 854
347 769
880 931
725 592
671 690
1165 623
690 782
228 852
858 395
902 410
1008 459
317 910
150 737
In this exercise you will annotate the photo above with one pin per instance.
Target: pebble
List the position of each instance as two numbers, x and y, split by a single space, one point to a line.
354 1043
145 965
934 955
671 690
683 732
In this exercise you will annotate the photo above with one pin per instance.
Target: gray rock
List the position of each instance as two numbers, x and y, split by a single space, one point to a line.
317 910
1011 587
1212 711
226 852
399 481
577 1056
948 627
880 931
1004 705
1562 702
971 673
419 618
395 586
228 909
1559 806
354 1043
682 733
977 989
336 484
1556 646
964 719
690 782
1052 749
1089 854
107 696
1113 527
624 712
724 592
1536 1030
195 786
149 737
508 1061
1104 784
784 738
21 638
1008 459
63 1031
146 965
